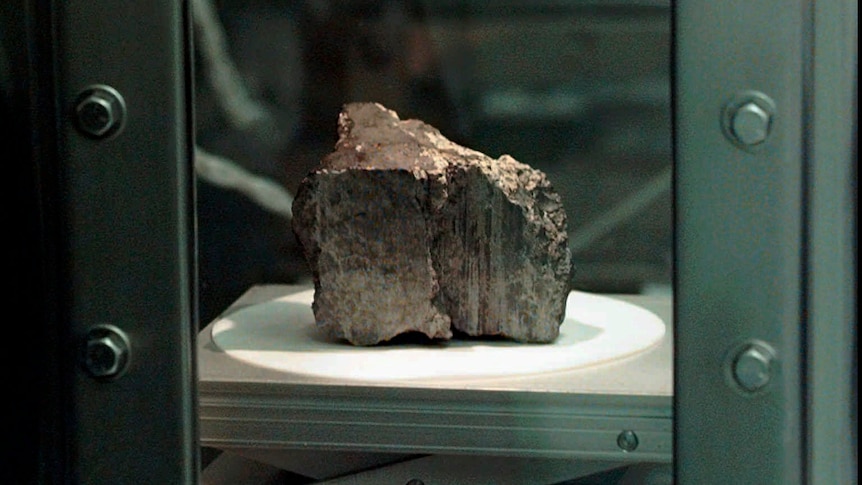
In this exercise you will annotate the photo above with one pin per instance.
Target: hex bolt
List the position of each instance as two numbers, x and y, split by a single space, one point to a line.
106 352
627 441
752 367
750 124
99 111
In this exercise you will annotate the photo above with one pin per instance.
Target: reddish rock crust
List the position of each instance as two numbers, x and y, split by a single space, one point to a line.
406 231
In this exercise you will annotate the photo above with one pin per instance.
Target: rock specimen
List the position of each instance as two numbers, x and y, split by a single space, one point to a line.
407 231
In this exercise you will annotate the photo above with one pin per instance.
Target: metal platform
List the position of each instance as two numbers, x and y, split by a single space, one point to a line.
567 422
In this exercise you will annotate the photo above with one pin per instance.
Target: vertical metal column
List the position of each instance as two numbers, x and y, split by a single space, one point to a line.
741 135
127 229
831 255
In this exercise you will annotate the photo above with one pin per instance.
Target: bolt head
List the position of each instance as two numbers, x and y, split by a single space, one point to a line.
752 368
627 441
99 111
750 124
103 357
96 115
106 352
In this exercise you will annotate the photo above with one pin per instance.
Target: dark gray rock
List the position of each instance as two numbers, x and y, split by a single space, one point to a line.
406 231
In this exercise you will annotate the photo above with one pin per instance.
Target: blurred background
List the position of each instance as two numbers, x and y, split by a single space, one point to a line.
577 89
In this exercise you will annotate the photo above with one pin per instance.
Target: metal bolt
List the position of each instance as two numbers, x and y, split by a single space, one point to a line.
106 352
747 118
751 368
99 111
415 481
627 441
750 124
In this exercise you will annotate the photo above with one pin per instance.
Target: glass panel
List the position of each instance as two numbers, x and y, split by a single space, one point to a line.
579 90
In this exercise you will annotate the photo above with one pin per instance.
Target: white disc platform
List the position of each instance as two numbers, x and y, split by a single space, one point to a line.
280 334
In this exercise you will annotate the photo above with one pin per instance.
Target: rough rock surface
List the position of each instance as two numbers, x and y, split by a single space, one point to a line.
407 231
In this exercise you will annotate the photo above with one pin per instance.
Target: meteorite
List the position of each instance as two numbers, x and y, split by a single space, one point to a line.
407 231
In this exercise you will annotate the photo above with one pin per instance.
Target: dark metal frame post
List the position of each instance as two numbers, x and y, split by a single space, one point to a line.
102 99
129 239
765 269
739 184
831 242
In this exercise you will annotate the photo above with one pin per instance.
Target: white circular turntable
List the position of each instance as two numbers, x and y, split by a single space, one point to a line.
281 334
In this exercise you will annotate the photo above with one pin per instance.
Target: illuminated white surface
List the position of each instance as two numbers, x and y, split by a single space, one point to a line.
281 334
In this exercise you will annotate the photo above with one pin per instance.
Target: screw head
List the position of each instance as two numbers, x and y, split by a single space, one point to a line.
747 119
627 441
750 124
99 111
106 352
752 367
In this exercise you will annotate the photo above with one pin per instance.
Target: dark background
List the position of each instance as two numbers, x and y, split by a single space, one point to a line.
580 92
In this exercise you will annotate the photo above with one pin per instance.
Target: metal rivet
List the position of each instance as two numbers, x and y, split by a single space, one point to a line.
106 352
627 441
752 367
100 111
